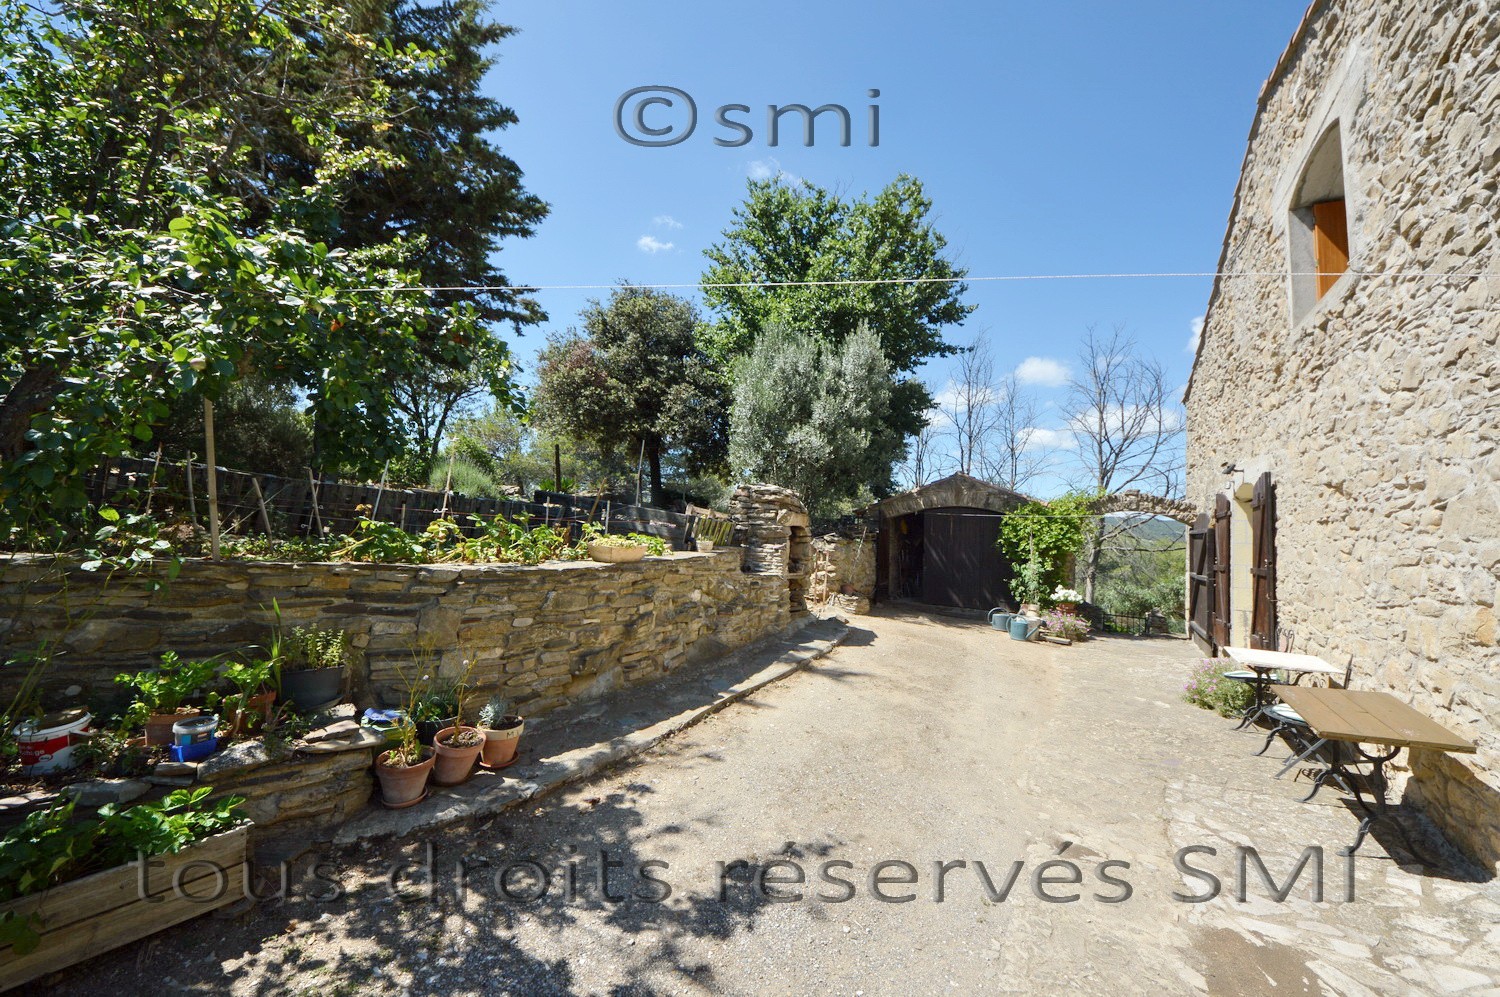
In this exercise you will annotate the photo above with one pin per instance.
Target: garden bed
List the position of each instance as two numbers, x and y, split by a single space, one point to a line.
85 917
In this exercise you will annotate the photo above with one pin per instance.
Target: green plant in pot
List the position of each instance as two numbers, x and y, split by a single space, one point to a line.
616 548
433 707
457 746
249 706
161 694
502 733
313 663
403 770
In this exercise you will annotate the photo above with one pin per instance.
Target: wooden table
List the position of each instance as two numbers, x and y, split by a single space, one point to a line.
1263 663
1358 718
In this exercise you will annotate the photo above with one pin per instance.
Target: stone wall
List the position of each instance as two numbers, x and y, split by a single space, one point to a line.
1378 412
541 636
843 572
776 531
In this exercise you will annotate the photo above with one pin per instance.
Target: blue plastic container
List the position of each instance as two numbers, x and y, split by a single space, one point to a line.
1000 618
194 752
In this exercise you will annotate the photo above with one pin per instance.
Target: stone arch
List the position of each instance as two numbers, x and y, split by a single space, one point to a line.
954 491
1151 505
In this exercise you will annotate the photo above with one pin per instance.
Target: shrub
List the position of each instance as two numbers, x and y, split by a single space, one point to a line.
1208 688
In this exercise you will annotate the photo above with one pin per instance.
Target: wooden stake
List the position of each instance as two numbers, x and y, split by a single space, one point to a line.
447 485
375 512
265 516
312 484
151 485
187 466
213 480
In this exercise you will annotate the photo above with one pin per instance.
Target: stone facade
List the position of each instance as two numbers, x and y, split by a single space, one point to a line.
1376 407
540 636
843 573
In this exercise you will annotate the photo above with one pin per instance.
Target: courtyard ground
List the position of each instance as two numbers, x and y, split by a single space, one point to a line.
923 739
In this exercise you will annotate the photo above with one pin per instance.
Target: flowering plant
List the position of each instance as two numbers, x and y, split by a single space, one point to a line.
1068 625
1061 594
1208 688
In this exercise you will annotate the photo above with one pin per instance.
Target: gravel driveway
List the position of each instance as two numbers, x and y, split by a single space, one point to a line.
924 740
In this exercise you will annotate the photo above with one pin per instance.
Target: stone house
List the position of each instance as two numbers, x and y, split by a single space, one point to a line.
1344 407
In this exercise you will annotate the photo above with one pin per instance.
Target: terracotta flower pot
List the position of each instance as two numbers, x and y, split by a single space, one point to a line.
454 765
159 725
251 719
1067 607
402 786
610 554
500 744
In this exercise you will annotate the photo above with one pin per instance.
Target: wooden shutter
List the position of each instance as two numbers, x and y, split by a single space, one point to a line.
1221 625
1201 581
1330 243
1263 584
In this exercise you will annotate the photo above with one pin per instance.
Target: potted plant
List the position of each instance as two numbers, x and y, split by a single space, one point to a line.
502 733
249 706
403 770
161 692
616 548
457 747
1029 585
1066 599
433 707
312 665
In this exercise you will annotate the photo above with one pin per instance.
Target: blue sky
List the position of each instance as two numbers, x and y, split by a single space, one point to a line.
1053 138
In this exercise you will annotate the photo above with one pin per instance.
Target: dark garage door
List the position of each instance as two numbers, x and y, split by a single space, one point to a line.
961 566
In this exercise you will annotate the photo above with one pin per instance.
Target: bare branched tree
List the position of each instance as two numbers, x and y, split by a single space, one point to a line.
1129 432
1016 455
968 407
922 455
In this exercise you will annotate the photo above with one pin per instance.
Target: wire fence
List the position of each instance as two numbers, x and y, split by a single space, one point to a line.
313 506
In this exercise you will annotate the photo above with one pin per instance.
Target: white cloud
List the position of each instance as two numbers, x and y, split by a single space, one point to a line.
1192 346
666 221
1038 438
1044 371
770 169
651 244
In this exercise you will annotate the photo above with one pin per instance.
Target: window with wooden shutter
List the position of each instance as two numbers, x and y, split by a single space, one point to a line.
1222 542
1330 242
1263 572
1320 244
1201 581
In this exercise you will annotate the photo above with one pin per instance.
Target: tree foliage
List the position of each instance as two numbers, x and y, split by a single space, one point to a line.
635 382
1040 538
812 416
800 232
140 273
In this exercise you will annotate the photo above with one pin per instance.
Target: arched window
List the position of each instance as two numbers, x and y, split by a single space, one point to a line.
1319 227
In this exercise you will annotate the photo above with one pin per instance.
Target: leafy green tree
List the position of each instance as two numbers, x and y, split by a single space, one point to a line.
509 452
136 279
257 427
786 233
1041 539
427 172
635 382
811 415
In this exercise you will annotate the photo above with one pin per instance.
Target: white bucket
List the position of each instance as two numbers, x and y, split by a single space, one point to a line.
46 744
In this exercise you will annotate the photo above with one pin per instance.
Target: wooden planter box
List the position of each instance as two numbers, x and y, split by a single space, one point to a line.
89 916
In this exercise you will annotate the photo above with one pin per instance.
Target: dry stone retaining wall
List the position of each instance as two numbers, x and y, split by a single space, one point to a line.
541 636
1376 412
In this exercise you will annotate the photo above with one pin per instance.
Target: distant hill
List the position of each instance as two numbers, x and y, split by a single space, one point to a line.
1157 530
